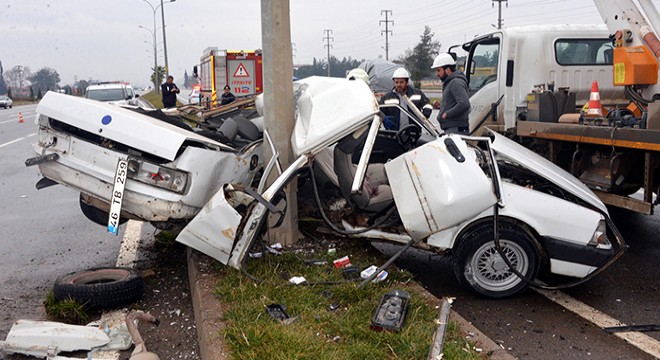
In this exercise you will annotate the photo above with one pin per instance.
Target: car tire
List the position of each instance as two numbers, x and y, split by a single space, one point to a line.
97 216
100 288
480 268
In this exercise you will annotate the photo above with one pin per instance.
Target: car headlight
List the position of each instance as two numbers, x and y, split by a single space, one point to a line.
162 177
599 238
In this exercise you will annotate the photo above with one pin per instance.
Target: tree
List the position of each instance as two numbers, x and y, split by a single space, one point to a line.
320 67
9 94
157 77
45 79
186 79
418 61
3 86
17 76
82 87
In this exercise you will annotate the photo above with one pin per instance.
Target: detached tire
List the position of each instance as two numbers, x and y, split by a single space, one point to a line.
100 288
479 267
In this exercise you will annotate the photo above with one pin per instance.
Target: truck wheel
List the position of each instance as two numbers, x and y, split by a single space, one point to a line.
100 288
97 216
479 267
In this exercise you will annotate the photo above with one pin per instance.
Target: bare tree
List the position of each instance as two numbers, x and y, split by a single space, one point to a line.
17 76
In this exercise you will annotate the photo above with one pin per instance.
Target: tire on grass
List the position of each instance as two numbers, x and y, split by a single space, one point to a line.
100 288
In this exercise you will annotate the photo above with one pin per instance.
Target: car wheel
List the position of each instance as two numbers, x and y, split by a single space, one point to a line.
100 288
479 266
97 216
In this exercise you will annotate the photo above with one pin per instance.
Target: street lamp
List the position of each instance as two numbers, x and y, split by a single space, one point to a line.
162 13
153 34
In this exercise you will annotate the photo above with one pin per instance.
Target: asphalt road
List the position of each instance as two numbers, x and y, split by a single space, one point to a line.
43 234
532 327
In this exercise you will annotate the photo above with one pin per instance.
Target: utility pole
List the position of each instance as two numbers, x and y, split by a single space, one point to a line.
499 11
162 14
327 39
387 31
279 106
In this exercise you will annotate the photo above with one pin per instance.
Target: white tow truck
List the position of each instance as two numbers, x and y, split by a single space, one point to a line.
531 82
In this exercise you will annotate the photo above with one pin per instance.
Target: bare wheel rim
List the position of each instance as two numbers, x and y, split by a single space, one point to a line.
488 270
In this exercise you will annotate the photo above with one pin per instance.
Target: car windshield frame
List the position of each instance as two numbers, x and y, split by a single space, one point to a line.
106 94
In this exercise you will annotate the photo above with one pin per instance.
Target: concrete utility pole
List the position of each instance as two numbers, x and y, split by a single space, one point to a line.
499 11
387 31
162 14
278 104
327 39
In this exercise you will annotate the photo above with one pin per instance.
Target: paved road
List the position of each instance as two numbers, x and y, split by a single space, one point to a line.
43 234
533 327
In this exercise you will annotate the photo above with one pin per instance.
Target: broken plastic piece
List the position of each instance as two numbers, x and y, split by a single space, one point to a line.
297 280
315 262
277 312
350 272
391 312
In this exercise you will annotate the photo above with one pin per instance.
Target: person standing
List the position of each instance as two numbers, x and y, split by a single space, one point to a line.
227 97
169 91
394 118
455 108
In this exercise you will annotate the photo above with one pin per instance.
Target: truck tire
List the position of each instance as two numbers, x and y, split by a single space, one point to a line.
480 268
100 288
95 215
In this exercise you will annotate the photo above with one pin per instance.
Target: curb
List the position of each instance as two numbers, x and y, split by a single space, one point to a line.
209 313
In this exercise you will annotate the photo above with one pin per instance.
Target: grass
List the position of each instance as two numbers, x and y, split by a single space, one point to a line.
156 99
68 311
318 332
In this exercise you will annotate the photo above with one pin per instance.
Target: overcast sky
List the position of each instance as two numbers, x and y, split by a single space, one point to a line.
101 40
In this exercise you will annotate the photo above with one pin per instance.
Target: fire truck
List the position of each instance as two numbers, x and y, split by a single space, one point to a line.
240 69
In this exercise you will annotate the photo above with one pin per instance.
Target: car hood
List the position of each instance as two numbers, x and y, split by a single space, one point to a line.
121 125
539 165
328 109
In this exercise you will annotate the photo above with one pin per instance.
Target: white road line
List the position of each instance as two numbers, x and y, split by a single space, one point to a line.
17 140
128 253
637 339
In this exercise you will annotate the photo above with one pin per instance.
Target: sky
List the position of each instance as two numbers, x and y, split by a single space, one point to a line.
102 40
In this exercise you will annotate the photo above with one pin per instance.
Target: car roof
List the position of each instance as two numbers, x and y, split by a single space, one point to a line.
108 86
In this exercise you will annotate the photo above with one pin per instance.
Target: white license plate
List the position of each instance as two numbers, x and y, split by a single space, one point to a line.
117 196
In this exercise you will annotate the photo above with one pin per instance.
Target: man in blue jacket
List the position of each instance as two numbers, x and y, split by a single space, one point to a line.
394 118
455 108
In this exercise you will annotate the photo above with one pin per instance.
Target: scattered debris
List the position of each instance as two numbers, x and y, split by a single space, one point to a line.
256 255
391 312
366 273
342 262
277 312
315 262
297 280
350 272
140 352
276 249
333 306
332 251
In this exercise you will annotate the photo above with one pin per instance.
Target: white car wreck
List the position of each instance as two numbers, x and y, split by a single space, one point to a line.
504 213
170 170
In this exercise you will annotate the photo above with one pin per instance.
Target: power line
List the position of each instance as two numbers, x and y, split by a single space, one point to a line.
387 31
499 11
327 39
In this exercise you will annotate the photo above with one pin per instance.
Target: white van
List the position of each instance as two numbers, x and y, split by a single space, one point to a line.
113 92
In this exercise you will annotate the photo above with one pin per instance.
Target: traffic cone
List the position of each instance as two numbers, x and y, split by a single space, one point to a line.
594 102
20 118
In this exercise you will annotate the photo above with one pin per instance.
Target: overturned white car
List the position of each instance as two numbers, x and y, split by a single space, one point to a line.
503 212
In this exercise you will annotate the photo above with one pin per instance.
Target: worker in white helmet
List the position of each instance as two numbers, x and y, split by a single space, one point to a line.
394 118
455 108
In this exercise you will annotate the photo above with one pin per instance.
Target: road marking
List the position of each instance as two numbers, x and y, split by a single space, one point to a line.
16 120
17 140
128 254
637 339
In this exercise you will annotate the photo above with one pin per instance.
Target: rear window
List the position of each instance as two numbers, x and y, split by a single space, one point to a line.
584 51
106 94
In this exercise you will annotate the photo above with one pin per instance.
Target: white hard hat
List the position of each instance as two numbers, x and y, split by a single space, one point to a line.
443 59
400 73
358 74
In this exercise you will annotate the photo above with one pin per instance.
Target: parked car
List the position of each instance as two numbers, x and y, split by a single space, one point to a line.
6 101
170 169
114 92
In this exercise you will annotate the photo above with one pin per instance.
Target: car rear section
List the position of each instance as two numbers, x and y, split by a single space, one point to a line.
171 172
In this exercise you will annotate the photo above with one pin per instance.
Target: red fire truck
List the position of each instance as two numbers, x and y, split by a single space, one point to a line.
240 69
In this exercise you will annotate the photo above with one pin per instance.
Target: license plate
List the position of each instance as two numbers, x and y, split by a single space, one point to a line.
117 196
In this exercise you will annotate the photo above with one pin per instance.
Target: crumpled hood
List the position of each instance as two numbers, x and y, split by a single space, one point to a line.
121 125
539 165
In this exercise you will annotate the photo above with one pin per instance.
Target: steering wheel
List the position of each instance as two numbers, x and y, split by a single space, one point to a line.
408 136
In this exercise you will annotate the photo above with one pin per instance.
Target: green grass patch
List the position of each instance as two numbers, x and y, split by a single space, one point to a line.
68 311
318 332
156 99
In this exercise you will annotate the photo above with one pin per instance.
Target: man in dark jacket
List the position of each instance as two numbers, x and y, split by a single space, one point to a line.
455 107
227 97
169 91
394 118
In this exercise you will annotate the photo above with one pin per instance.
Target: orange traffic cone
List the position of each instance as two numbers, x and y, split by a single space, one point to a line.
20 117
594 102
